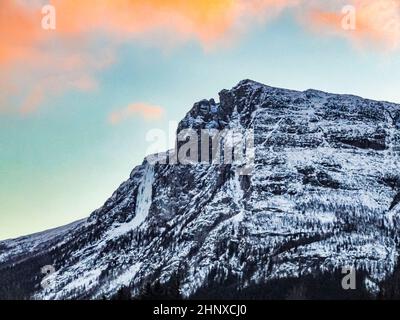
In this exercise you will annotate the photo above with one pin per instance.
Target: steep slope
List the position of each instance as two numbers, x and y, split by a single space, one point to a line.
323 194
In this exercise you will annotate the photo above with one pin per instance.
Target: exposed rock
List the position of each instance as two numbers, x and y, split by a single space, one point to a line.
323 195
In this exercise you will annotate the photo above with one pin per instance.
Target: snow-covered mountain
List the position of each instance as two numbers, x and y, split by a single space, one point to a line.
324 194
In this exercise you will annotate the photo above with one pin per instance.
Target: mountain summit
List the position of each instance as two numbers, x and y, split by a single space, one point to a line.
323 197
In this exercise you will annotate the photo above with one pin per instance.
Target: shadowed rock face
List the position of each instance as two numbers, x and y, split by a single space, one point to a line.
324 194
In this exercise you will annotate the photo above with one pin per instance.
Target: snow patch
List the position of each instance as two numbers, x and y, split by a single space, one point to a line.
143 204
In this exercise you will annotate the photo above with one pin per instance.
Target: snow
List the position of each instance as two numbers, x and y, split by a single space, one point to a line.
143 204
125 278
144 197
237 197
286 224
36 242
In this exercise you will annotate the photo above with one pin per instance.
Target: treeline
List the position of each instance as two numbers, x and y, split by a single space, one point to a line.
152 291
19 281
319 286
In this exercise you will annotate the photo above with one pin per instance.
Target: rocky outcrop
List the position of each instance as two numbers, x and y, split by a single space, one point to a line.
323 195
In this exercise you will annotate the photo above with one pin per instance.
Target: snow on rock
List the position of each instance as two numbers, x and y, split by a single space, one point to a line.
143 203
324 194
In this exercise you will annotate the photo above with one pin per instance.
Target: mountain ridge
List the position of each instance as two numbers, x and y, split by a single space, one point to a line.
322 197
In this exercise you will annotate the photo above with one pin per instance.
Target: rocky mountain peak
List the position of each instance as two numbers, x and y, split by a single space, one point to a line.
324 195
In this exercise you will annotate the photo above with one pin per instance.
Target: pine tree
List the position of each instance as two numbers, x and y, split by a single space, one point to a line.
124 293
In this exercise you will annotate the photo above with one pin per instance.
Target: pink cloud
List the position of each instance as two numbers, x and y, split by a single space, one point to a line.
208 21
377 22
145 111
50 74
42 64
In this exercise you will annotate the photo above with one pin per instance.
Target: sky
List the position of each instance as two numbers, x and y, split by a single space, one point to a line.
81 87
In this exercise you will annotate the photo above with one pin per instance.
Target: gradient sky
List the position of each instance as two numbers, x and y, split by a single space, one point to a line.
76 102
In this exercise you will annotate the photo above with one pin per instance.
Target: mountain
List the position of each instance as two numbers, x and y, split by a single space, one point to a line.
323 194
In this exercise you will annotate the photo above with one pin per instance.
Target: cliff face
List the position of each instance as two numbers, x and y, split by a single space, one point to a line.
324 194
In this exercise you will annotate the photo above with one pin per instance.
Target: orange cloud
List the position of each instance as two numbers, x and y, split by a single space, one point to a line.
144 110
376 20
51 74
208 21
17 31
40 64
43 63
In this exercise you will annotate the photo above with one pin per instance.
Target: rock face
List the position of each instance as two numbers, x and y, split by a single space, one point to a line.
324 194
